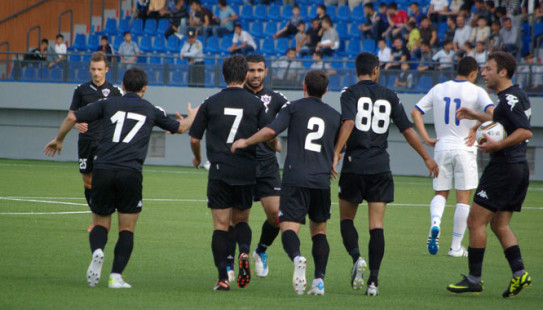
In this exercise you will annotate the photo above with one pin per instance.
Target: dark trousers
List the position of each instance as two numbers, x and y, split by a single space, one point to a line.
196 74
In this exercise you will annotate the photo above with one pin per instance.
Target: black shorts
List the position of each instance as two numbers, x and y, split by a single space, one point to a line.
268 179
116 190
296 202
86 150
221 195
356 188
503 186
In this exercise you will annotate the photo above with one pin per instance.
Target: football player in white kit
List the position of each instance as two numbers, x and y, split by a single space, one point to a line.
454 152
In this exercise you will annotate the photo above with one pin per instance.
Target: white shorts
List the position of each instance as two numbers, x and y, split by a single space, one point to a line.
460 165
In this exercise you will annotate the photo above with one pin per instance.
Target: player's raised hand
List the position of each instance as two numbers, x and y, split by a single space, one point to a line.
432 167
191 111
431 141
82 127
239 144
465 113
52 148
490 145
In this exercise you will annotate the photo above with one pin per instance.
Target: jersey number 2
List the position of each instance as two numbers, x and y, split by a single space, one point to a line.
316 135
118 119
378 121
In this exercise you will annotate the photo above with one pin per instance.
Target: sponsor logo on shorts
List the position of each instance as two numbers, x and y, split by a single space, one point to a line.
277 188
482 194
280 213
140 204
339 189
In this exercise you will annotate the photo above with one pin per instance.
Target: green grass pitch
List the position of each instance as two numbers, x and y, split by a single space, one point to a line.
44 251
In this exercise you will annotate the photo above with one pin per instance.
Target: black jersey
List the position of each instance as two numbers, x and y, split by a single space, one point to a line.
127 123
371 107
231 114
89 93
273 101
512 111
312 131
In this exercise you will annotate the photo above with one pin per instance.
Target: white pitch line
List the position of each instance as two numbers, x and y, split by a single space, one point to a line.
44 201
44 213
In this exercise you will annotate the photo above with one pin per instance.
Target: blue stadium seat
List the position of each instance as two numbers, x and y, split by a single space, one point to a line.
312 12
424 83
179 76
307 61
150 27
43 73
245 24
173 44
342 29
353 48
343 13
212 46
354 32
29 74
155 59
282 46
93 43
124 26
336 62
246 12
82 74
80 42
56 74
357 15
260 12
271 29
303 12
390 80
159 43
274 12
163 25
441 29
331 10
335 82
368 45
257 30
146 44
142 58
268 47
538 29
119 39
286 12
137 26
110 28
226 42
74 57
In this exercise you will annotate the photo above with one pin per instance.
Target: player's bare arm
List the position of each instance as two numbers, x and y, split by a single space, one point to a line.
196 151
56 144
343 135
262 135
419 123
413 139
185 123
466 113
518 136
275 145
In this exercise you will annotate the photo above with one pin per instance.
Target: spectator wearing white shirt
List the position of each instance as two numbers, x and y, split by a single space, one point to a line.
437 9
445 56
321 65
508 36
59 50
462 33
193 52
243 42
481 54
384 52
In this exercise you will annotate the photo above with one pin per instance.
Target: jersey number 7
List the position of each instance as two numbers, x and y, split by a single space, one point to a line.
118 119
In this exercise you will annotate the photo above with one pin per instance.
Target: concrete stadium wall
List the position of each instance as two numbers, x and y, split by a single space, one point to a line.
30 114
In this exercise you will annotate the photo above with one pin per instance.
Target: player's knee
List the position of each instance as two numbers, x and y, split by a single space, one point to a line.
498 228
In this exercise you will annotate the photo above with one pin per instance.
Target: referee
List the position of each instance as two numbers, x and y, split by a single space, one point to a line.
89 133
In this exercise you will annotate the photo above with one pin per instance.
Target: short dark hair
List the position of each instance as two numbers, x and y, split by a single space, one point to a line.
490 4
234 69
104 38
504 61
296 6
365 63
414 3
425 42
59 36
318 53
125 33
290 49
369 5
316 82
322 6
392 5
382 4
45 41
467 65
501 10
222 2
99 56
412 24
445 42
256 58
197 2
134 80
327 20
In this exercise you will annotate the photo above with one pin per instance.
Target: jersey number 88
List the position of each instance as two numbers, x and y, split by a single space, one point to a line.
374 116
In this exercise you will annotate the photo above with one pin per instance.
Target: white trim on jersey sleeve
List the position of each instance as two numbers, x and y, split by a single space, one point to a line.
483 99
120 89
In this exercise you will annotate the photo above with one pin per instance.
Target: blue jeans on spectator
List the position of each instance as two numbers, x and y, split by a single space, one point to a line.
244 50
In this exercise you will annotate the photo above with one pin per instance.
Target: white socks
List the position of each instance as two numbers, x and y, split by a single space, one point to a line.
460 224
437 206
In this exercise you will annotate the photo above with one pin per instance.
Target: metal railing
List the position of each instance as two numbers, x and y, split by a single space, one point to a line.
23 11
28 36
171 71
71 12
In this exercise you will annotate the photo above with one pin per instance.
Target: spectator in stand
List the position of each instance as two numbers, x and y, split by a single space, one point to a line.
428 32
490 6
39 53
373 26
451 29
425 59
529 76
291 27
321 15
536 10
481 32
396 20
414 11
501 13
438 9
312 38
178 19
243 42
193 52
454 7
106 48
383 53
398 55
466 50
140 10
509 37
201 19
286 70
445 56
321 65
339 2
59 50
481 54
155 8
404 80
494 37
329 42
382 18
226 19
468 16
481 10
301 37
462 32
413 40
513 7
129 50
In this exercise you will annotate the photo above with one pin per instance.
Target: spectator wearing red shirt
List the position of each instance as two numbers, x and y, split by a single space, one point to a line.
396 20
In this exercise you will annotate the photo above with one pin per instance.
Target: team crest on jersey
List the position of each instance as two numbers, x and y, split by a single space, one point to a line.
512 100
106 92
266 99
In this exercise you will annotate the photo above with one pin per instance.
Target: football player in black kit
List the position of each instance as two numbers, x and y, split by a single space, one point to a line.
312 131
89 134
504 183
366 111
230 114
127 123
